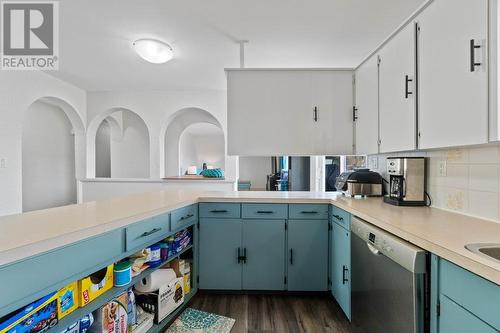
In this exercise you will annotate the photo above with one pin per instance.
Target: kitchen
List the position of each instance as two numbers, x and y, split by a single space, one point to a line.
208 168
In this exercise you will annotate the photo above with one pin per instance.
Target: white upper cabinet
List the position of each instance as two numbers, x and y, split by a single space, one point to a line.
453 73
289 112
397 92
367 107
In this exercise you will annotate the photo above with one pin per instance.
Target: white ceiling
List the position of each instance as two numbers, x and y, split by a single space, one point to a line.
96 36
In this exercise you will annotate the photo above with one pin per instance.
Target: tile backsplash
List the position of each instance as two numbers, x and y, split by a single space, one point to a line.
465 180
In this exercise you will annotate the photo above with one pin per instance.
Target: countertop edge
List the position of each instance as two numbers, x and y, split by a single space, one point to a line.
13 255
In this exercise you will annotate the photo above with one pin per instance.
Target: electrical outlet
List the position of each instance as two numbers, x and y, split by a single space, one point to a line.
442 168
2 163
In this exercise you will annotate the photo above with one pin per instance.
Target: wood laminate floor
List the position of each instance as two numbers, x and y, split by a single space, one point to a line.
275 313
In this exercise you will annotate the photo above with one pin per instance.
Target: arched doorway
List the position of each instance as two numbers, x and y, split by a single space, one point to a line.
52 155
171 132
121 146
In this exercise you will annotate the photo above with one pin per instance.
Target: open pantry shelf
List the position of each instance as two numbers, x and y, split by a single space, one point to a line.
110 295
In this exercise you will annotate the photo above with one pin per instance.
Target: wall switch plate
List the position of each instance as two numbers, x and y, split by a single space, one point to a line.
2 163
442 168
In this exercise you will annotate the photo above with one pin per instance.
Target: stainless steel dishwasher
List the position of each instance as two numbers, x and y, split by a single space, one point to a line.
389 282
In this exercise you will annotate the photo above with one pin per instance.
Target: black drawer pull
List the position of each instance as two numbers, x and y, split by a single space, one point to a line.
291 256
344 271
309 212
150 232
186 217
473 62
265 212
338 217
218 211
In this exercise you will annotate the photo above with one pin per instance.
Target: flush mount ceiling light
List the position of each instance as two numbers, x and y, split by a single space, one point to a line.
154 51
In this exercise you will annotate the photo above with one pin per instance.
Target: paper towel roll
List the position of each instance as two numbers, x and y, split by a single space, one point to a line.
155 280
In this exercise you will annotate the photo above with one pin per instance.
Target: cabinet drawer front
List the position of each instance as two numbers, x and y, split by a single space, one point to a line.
142 233
183 216
308 212
472 292
220 210
264 211
37 276
341 217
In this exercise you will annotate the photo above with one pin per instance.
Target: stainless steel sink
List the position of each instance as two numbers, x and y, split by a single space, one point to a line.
488 250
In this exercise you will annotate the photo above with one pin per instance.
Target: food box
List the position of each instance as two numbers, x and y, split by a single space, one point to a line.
112 317
95 285
164 301
39 316
67 299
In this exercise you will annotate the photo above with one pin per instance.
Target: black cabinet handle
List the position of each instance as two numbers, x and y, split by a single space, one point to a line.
344 271
150 232
242 258
265 212
309 212
338 217
407 81
218 211
473 62
291 256
186 217
315 113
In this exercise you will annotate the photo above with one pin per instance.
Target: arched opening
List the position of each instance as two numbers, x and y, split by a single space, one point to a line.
51 154
171 133
122 146
199 144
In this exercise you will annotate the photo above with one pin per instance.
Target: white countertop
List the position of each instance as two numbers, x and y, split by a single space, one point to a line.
438 231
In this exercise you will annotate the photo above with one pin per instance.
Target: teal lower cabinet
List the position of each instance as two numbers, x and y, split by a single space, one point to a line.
220 242
461 301
340 264
307 259
264 256
455 318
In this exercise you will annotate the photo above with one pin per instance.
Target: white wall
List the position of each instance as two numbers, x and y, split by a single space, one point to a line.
187 152
130 152
48 158
255 170
18 90
201 143
100 189
103 150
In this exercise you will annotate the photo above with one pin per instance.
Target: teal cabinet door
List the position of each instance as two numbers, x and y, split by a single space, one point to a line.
454 318
341 267
264 252
307 255
220 242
